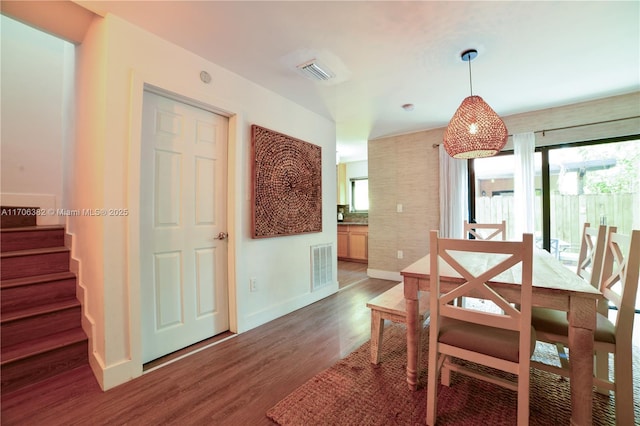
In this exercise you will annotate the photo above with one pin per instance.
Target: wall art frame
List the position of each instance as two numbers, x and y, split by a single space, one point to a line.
286 181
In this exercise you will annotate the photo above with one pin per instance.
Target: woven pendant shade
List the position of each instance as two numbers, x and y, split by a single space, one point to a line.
475 130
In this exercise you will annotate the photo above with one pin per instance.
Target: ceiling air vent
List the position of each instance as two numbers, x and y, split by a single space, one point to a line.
313 70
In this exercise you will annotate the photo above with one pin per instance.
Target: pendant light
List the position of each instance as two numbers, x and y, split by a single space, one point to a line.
475 130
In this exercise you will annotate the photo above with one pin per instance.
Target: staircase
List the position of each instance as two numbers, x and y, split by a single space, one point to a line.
40 317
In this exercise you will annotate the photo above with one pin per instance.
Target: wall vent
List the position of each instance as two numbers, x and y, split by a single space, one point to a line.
315 71
321 266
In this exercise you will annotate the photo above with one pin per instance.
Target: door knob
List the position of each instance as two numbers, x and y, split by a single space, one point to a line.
221 236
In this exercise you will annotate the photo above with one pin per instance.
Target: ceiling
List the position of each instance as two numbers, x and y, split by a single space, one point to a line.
532 55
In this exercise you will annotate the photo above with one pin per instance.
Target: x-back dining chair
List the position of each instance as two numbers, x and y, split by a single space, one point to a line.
503 341
619 285
592 248
592 252
475 230
499 230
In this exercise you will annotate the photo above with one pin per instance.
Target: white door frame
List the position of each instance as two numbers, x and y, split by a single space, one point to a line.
138 86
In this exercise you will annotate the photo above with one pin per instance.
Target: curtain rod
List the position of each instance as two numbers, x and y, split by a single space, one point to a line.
544 131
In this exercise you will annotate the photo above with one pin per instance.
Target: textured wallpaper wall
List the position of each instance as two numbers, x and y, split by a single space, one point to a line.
403 175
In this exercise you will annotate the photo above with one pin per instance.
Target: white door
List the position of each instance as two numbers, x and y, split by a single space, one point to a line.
183 210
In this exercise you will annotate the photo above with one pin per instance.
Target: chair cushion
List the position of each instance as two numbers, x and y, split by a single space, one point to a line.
556 322
487 340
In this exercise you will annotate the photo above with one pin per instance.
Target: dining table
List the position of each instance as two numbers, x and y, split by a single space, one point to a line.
554 286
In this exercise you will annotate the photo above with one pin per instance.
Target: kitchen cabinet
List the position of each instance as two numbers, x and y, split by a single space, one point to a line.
353 243
343 241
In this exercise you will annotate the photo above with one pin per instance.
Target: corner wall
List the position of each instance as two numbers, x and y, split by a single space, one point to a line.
115 61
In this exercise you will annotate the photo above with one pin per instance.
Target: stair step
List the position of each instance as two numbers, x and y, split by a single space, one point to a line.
23 350
32 252
43 310
26 365
39 322
30 237
39 290
16 216
79 380
36 279
24 263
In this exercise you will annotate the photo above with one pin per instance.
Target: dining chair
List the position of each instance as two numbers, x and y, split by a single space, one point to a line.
592 252
619 285
590 257
504 341
499 230
472 231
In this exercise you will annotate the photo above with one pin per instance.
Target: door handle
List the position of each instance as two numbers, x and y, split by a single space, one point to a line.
221 236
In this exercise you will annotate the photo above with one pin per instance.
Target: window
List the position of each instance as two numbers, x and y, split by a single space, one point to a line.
494 202
360 195
596 182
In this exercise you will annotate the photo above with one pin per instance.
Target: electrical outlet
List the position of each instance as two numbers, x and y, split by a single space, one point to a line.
400 254
398 208
253 284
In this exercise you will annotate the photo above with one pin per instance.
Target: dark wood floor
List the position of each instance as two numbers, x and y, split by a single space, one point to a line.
350 273
232 383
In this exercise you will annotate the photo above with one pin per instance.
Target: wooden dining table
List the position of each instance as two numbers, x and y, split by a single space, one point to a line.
554 286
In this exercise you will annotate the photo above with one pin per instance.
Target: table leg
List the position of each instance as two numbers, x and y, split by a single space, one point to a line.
582 321
413 331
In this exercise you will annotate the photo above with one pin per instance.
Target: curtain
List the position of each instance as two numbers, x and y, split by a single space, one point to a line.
454 205
523 183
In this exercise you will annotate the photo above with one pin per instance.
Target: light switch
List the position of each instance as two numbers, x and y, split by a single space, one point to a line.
399 208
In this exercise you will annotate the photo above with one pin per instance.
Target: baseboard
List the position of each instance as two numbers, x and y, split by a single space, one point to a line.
88 324
285 307
114 375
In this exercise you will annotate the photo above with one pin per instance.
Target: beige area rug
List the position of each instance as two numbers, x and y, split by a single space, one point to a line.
355 392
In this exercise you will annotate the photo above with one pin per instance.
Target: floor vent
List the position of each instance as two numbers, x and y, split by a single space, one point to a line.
321 266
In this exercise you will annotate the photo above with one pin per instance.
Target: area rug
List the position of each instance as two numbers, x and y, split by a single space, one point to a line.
355 392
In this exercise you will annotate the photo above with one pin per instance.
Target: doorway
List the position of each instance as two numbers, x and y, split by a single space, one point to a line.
183 224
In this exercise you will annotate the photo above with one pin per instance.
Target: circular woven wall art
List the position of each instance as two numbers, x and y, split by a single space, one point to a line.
287 185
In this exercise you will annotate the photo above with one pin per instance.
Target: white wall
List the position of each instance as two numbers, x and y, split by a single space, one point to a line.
35 118
115 61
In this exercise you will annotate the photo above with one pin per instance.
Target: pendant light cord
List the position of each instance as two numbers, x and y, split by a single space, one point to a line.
470 81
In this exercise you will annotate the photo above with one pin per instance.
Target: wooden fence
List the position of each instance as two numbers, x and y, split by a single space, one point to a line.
568 214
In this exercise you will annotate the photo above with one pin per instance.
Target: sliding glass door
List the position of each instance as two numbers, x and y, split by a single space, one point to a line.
598 184
595 182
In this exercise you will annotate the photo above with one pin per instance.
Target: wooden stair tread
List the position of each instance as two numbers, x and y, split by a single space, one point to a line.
36 279
33 228
34 347
39 310
30 252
